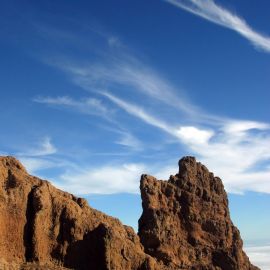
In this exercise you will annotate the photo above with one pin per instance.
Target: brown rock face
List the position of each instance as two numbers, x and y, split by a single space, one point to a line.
185 225
186 222
49 228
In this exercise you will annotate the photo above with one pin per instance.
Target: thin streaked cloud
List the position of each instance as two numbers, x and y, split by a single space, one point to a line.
91 106
243 143
42 148
209 10
129 140
107 179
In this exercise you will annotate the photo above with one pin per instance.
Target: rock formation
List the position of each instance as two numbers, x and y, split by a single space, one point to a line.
48 227
185 225
186 222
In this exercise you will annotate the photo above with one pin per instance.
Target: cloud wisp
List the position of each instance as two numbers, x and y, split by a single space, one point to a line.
123 70
219 142
236 150
106 179
38 156
209 10
93 106
90 106
237 145
136 111
129 140
43 148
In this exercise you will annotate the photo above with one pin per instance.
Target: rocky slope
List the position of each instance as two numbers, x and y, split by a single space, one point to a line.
185 225
49 227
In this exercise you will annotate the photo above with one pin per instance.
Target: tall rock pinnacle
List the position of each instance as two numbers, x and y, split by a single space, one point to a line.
186 223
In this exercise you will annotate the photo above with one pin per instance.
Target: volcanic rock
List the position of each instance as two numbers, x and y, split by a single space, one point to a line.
185 225
49 228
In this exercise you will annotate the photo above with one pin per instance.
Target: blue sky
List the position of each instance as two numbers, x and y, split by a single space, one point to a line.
95 93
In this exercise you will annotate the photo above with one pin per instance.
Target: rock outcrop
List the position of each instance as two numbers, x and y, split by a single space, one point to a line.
186 222
44 226
185 225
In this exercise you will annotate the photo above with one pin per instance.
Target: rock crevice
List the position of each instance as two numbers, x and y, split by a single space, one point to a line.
28 236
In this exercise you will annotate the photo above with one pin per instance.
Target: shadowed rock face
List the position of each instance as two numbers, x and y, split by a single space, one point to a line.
49 228
186 221
185 225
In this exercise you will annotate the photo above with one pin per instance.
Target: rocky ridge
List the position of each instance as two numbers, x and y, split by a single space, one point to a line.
185 224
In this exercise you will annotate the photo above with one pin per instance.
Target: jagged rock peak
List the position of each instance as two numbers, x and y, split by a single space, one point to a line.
186 223
195 175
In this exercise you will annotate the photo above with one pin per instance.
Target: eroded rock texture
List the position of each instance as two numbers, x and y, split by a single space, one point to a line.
49 228
185 225
186 222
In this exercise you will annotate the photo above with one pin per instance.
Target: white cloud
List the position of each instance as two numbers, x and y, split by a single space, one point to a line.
134 76
136 111
148 82
128 140
103 180
33 165
259 256
210 11
194 135
234 154
39 165
232 150
38 156
47 148
110 178
240 127
124 73
43 148
91 106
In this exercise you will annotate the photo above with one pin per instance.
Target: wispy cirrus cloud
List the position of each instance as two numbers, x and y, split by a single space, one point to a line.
209 10
43 148
236 150
35 164
136 111
39 165
37 156
91 106
106 179
232 149
129 140
219 142
125 71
